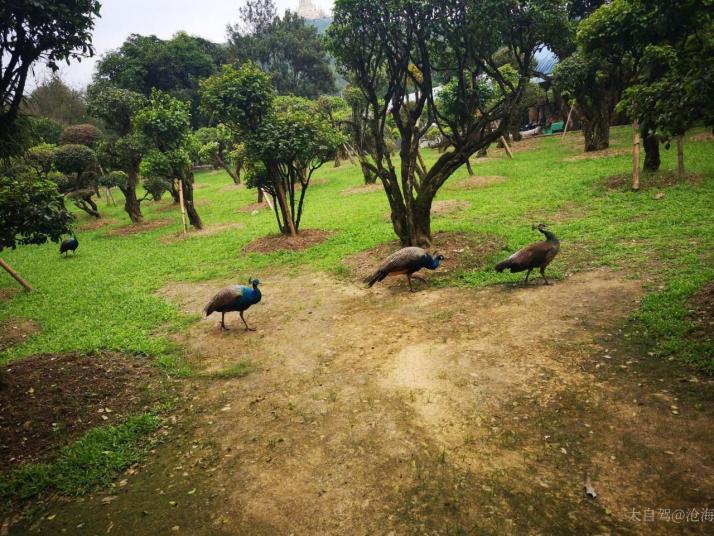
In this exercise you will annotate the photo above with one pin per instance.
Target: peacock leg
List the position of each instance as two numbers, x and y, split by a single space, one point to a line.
223 322
409 280
542 273
246 323
420 278
527 274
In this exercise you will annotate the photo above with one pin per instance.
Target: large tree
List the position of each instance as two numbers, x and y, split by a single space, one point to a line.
286 138
175 66
122 150
287 48
397 51
52 31
165 126
55 100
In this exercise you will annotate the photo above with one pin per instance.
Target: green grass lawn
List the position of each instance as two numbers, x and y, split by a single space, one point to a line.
104 297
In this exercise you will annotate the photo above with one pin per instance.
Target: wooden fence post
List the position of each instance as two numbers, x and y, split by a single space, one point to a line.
183 208
565 128
506 147
636 155
15 275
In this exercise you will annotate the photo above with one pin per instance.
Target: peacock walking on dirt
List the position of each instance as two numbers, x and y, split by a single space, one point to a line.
70 244
538 255
234 298
406 261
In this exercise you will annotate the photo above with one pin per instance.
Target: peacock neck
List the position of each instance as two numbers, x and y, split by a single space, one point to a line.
433 263
549 236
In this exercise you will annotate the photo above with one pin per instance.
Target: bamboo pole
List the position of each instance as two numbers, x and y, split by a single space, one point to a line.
183 208
680 157
267 198
15 275
636 155
506 147
565 128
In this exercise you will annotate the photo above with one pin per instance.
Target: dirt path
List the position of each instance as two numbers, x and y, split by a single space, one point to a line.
447 411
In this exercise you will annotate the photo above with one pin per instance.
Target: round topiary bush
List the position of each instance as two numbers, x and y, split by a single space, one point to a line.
83 134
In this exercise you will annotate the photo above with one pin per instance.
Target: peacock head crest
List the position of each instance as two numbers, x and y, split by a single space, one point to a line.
254 282
437 256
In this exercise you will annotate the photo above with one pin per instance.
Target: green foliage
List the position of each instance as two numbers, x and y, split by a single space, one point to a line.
44 130
238 98
33 29
41 158
91 462
113 179
83 134
165 122
73 158
31 211
287 48
156 186
115 106
56 101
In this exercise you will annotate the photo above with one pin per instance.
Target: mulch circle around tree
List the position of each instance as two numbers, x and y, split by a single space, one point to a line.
209 230
144 227
49 400
253 207
8 293
448 206
475 181
363 189
280 242
462 252
96 224
658 179
701 307
14 331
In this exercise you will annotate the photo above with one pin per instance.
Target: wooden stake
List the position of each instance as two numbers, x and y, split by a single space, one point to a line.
565 129
506 147
680 157
183 208
636 155
15 275
267 198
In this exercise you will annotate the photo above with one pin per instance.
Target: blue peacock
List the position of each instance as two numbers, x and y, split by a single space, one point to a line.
406 261
70 244
234 298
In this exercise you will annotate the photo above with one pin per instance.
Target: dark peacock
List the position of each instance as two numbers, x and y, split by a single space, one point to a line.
538 255
406 261
234 298
70 244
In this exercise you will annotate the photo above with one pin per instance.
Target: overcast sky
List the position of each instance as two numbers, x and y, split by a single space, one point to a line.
163 18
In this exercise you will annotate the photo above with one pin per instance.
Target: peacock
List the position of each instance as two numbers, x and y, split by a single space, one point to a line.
70 244
234 298
538 255
406 261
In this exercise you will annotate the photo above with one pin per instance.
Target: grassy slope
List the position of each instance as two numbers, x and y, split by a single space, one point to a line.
104 298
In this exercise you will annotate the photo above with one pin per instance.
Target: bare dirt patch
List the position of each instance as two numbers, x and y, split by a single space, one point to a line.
701 312
48 400
446 411
167 206
96 224
253 207
363 189
14 331
232 187
476 181
703 136
449 206
279 242
462 252
144 227
593 155
659 179
8 293
209 230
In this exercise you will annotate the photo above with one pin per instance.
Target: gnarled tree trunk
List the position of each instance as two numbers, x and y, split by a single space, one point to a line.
596 127
193 217
131 202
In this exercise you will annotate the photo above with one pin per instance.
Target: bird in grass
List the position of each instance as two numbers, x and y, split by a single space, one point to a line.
406 261
70 244
234 298
538 255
